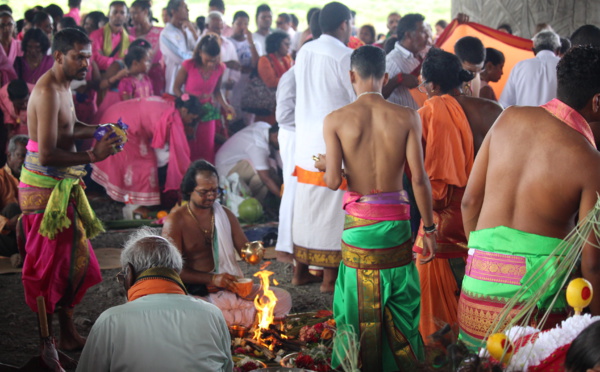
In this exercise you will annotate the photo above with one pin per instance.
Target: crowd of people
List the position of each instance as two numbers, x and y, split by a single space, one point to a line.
409 180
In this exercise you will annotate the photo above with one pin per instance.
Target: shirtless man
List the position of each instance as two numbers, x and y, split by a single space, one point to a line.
536 170
71 267
375 139
209 266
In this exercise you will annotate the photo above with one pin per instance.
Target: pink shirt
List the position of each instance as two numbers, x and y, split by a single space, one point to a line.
14 51
74 13
198 85
97 38
135 87
17 120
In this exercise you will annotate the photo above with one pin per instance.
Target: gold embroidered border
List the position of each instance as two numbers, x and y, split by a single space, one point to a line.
369 320
496 268
33 199
377 259
477 315
404 355
352 221
323 258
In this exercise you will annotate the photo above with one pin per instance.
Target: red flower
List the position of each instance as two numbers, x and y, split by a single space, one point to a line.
319 327
305 361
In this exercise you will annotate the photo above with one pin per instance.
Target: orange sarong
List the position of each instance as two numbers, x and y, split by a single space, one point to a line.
449 155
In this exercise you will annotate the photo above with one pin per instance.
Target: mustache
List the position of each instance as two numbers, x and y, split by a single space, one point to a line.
82 70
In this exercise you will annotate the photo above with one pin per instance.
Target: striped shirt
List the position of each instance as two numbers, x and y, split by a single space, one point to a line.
400 60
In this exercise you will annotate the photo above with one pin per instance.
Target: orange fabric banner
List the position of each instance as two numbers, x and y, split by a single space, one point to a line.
515 48
315 178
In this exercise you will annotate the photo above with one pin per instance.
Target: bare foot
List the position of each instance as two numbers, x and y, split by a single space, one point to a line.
66 361
327 287
284 257
305 278
49 355
70 340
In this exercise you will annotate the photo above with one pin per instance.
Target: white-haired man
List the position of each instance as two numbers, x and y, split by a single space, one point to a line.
532 82
160 328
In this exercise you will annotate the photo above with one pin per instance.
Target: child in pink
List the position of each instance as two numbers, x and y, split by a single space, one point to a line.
201 76
137 84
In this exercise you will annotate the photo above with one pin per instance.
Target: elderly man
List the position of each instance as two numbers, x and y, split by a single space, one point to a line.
219 6
532 82
110 43
402 61
9 206
177 40
208 236
160 328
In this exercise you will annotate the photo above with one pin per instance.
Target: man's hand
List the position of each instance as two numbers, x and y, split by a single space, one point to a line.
320 162
189 25
122 73
248 34
410 81
229 111
234 65
105 147
429 247
225 281
462 18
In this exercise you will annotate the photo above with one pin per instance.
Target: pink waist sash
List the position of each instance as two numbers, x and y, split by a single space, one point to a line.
389 206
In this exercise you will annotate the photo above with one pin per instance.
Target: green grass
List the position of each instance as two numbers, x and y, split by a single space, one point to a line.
369 11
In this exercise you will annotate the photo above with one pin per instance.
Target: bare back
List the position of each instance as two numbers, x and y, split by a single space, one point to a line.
481 114
373 136
537 173
51 114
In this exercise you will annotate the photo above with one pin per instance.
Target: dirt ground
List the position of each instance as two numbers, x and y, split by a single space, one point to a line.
18 324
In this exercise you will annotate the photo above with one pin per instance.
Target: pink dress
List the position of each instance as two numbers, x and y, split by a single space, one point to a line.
157 71
203 146
31 76
131 176
14 51
135 87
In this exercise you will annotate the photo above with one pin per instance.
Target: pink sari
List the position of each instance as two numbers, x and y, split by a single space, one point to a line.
14 51
7 71
203 145
131 176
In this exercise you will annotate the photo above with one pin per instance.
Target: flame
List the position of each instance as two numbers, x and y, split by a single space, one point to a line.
265 304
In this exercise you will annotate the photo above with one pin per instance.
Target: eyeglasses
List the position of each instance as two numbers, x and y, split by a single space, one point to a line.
422 87
3 25
120 277
216 192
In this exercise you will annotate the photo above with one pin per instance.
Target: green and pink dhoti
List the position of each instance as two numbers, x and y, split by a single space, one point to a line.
377 291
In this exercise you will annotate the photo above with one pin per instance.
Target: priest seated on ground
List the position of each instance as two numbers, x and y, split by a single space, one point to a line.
208 236
252 153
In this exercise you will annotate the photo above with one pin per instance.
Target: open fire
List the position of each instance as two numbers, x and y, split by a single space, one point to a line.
265 305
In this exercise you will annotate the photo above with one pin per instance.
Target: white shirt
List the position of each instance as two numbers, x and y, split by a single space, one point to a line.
176 48
244 52
286 101
532 82
400 60
250 143
262 41
322 86
159 332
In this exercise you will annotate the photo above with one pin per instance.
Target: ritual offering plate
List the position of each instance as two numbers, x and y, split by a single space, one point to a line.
246 364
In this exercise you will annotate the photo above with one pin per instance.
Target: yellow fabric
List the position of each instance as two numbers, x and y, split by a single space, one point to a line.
107 47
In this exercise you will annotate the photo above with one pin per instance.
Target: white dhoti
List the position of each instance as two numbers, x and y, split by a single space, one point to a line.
317 226
237 310
287 150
